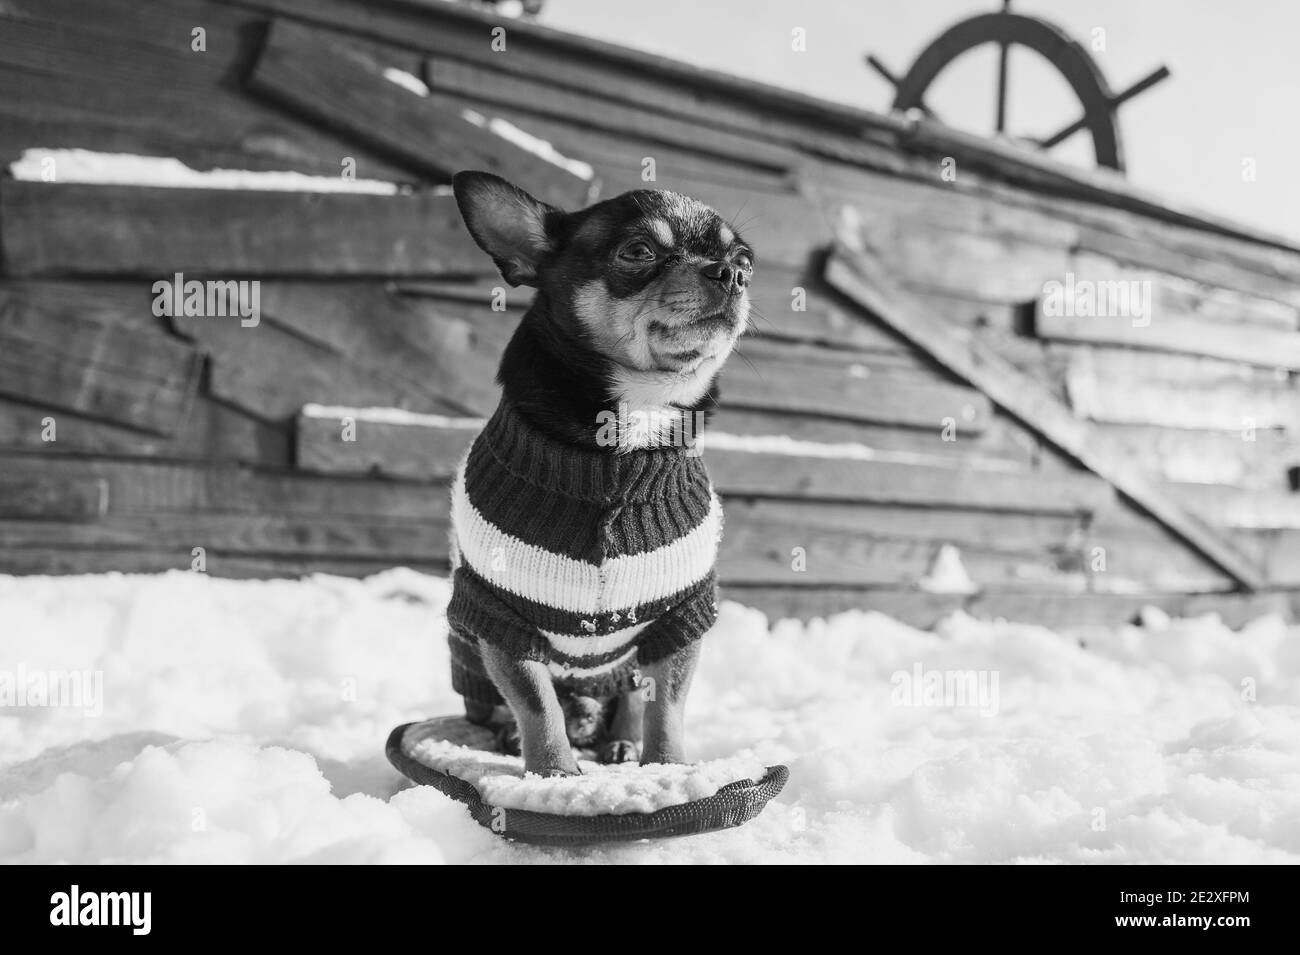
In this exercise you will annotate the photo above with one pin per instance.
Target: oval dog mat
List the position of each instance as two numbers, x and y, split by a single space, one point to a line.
615 803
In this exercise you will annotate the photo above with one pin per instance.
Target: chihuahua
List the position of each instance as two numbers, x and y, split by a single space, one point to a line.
584 527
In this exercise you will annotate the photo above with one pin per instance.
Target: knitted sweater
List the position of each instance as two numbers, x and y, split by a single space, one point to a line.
589 561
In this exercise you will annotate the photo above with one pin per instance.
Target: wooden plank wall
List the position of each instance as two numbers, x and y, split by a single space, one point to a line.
847 457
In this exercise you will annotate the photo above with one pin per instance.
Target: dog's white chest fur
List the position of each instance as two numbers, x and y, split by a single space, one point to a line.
650 403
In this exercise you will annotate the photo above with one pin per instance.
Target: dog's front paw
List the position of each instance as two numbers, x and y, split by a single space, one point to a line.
618 751
508 740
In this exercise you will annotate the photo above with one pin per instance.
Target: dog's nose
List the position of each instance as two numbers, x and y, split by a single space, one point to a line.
732 278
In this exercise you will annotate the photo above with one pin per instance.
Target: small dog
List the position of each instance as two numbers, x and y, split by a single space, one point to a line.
584 526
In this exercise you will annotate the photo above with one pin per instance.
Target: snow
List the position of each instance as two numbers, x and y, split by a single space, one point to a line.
393 416
842 450
407 81
243 721
126 169
617 789
947 574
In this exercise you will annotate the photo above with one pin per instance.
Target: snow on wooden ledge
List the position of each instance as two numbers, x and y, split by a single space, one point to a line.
127 169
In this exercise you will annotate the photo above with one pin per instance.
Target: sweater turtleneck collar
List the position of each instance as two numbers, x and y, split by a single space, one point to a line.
637 474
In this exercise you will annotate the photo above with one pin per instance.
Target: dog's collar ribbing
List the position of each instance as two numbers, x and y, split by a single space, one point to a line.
639 474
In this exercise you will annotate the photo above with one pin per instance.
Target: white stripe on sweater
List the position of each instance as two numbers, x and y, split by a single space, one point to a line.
620 584
589 645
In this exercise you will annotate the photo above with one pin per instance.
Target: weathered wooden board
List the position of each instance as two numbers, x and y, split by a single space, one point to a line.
1011 534
398 541
767 474
1264 347
1244 267
1173 295
102 560
1278 551
988 266
270 373
52 498
1001 443
859 276
620 161
802 543
588 106
853 390
1130 387
1123 552
337 84
75 229
1236 458
448 349
134 375
1240 508
146 487
487 291
348 442
213 432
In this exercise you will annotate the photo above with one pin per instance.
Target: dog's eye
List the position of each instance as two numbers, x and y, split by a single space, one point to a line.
745 262
637 252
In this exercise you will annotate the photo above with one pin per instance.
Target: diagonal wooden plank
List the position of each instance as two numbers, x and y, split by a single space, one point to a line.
337 84
854 272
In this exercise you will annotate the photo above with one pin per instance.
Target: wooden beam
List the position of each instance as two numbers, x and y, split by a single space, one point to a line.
214 431
842 387
154 487
269 372
1263 347
889 480
809 543
444 348
338 84
1002 443
859 277
52 498
94 230
128 372
495 86
397 540
1130 387
218 563
347 441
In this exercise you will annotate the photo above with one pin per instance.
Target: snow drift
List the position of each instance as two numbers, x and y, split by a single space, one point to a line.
243 721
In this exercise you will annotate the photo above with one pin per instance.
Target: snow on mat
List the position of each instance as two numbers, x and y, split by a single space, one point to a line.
617 789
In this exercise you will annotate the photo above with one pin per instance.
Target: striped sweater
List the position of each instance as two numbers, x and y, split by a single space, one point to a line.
592 562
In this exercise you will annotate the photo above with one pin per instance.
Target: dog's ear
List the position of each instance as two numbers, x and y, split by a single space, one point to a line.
508 224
